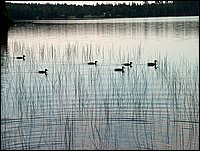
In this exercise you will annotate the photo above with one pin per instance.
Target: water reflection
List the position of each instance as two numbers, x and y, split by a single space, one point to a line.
4 40
174 37
4 51
78 106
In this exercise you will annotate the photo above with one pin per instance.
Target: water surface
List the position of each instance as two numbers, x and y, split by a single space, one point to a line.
77 106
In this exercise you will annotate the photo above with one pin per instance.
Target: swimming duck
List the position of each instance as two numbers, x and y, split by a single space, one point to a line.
151 64
120 69
23 57
92 63
45 71
128 64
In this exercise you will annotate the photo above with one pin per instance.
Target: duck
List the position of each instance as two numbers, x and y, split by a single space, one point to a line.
92 63
120 69
23 57
128 64
45 71
151 64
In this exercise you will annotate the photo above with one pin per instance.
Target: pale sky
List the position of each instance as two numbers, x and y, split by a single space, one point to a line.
78 2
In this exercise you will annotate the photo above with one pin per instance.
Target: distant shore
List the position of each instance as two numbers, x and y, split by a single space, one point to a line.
103 11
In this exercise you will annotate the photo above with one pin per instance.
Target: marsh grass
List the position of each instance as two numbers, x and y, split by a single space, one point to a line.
77 106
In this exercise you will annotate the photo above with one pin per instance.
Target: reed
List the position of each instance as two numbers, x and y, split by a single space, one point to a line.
77 106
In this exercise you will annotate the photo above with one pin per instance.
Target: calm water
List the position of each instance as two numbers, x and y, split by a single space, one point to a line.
77 106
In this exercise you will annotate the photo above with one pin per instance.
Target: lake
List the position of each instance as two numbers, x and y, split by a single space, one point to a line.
84 107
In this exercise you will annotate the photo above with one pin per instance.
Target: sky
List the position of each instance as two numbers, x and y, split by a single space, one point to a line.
78 2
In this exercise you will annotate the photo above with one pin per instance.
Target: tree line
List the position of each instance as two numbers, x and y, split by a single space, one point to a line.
131 10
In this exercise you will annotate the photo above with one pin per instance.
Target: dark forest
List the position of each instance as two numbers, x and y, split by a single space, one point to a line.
65 11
